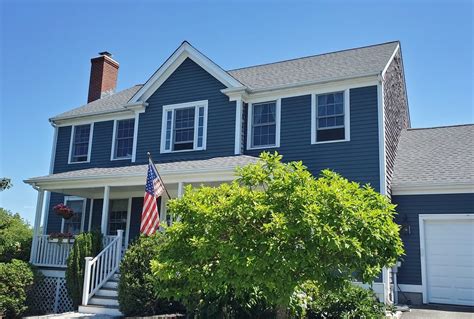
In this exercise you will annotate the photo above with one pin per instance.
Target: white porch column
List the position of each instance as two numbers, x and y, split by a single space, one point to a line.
36 229
180 189
105 210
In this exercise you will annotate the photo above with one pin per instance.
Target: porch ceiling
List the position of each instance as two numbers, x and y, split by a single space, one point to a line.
91 181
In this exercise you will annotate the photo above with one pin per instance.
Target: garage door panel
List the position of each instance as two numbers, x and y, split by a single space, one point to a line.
449 261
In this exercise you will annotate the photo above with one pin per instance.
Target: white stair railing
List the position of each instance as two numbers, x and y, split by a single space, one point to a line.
101 268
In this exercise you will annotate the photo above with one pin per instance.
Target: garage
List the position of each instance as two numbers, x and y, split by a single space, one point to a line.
447 258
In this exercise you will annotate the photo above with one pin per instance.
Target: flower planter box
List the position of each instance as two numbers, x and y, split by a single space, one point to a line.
61 240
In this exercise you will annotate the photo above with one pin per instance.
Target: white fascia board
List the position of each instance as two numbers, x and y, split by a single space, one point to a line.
433 188
390 60
300 89
127 111
173 62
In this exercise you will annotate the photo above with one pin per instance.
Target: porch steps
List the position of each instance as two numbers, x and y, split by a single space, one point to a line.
105 300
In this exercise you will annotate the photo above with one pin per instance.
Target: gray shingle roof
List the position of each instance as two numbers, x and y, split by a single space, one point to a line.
351 63
440 155
110 103
216 163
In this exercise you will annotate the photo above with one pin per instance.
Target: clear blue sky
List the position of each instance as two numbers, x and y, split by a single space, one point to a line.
46 46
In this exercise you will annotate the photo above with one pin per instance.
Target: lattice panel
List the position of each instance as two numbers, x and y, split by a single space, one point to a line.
51 296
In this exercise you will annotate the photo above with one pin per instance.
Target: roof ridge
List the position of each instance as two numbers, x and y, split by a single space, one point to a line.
436 127
313 55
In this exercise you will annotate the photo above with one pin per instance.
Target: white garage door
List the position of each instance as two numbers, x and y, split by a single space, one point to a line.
449 261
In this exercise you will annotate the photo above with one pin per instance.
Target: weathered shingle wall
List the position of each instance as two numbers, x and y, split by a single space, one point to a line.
396 113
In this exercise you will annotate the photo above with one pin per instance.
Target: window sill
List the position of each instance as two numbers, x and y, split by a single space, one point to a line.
328 142
262 147
84 162
182 151
121 159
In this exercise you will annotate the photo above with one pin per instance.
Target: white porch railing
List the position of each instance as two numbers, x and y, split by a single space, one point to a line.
54 253
50 253
101 268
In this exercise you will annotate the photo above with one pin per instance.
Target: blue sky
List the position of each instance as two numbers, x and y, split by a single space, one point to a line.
46 46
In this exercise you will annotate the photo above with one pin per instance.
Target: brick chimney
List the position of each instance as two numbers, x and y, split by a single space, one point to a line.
104 72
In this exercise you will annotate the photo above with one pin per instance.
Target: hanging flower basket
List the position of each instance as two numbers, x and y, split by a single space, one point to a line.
63 211
61 238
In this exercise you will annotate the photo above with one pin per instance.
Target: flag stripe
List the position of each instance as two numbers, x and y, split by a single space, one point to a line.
154 187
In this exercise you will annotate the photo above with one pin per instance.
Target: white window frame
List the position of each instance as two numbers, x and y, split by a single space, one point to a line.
173 108
83 214
89 149
347 116
129 214
113 156
277 125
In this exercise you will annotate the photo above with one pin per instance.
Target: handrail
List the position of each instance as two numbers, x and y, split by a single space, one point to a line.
102 267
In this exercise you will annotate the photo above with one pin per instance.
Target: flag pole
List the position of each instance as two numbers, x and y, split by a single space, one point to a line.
164 186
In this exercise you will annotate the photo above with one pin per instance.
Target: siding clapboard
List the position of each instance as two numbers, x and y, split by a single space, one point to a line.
409 207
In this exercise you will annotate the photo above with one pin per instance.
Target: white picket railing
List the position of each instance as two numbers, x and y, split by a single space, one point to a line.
54 252
101 268
50 252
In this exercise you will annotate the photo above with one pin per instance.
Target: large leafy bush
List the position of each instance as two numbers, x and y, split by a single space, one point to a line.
16 279
273 228
136 292
15 237
85 245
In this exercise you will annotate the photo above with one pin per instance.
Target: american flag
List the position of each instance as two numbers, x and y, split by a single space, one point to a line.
154 187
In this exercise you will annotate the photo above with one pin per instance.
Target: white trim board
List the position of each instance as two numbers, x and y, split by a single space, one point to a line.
422 218
184 51
433 188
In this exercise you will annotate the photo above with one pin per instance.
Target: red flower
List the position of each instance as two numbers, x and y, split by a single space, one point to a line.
63 211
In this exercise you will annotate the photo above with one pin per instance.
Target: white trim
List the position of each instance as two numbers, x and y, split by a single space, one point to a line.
238 127
135 137
306 89
102 116
89 148
277 125
185 50
381 136
83 213
433 188
91 210
347 117
390 61
105 210
410 288
173 107
421 221
127 226
53 150
39 211
114 136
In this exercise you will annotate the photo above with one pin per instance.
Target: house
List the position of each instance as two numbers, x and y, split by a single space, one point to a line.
346 110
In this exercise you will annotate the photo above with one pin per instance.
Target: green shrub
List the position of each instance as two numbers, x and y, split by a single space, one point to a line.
85 245
15 237
348 302
16 279
136 289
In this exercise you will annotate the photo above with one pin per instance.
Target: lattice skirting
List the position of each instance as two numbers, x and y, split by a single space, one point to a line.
51 296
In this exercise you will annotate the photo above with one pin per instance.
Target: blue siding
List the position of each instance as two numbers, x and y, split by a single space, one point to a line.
357 160
189 83
408 208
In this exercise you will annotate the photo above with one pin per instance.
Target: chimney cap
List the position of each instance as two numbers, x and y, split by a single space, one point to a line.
106 53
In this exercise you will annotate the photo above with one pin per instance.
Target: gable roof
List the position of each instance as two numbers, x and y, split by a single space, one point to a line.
326 67
346 64
435 156
111 103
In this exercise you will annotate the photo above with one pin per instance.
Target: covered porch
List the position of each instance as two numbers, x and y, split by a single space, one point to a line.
111 199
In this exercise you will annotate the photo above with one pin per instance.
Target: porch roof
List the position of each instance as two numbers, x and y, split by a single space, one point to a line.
208 170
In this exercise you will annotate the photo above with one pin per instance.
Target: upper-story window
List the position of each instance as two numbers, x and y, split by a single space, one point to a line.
264 125
122 147
81 139
184 127
330 117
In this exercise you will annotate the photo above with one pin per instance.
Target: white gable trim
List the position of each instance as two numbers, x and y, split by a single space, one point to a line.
174 61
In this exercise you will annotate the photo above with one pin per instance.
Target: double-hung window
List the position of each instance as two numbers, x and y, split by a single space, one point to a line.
330 117
75 224
184 127
123 141
81 139
263 125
